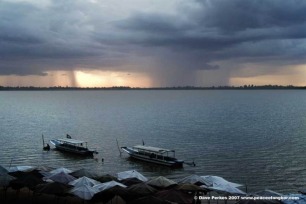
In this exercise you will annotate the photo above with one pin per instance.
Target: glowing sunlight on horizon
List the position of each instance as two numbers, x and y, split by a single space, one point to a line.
79 79
110 78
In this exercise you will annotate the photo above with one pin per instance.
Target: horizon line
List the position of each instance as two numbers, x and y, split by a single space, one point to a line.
152 88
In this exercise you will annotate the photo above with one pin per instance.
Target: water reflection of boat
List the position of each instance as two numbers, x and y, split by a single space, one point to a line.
154 155
72 146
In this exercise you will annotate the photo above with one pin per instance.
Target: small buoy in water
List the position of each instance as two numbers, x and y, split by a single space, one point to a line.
102 160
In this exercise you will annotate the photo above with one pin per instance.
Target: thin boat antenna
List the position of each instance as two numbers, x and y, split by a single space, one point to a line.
143 143
118 147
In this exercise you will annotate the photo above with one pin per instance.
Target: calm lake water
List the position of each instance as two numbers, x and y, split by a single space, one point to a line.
253 137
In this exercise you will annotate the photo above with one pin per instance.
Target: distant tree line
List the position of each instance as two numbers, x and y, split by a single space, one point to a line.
56 88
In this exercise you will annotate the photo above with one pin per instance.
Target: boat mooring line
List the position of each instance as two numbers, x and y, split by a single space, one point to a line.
190 163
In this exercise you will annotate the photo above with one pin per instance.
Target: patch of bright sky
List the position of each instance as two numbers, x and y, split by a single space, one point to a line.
54 78
291 76
109 78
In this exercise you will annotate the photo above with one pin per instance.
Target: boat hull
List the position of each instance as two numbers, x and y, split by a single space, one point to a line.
173 163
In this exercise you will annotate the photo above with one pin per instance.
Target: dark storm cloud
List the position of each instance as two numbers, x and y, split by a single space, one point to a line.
197 35
153 23
36 39
21 69
238 15
221 29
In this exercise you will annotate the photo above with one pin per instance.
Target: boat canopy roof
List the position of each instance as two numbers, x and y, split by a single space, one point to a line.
152 149
71 141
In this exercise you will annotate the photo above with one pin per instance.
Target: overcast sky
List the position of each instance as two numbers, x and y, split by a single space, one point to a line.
152 42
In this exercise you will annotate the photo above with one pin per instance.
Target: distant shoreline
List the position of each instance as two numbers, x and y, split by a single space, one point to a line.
245 87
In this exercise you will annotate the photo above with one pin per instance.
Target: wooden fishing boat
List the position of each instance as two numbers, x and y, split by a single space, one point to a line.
73 146
154 155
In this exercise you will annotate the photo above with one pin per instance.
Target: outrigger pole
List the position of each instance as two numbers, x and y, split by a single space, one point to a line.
118 147
11 163
43 140
45 148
